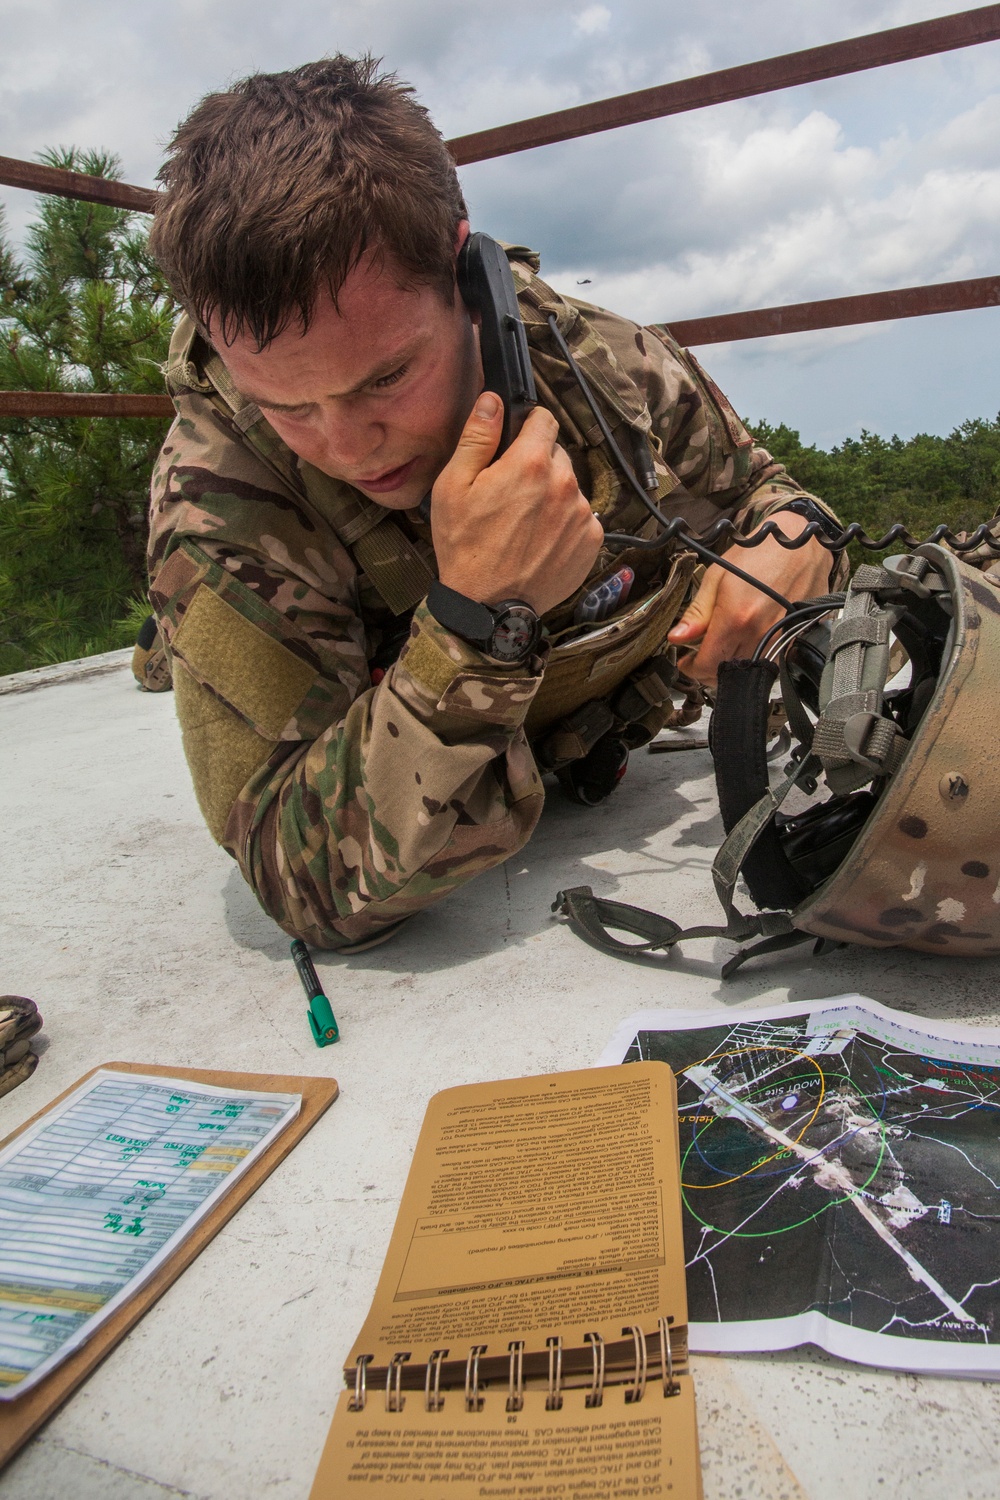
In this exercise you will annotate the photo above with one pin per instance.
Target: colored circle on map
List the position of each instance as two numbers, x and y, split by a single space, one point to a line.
752 1149
745 1151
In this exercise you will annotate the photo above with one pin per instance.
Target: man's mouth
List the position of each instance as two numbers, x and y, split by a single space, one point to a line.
389 479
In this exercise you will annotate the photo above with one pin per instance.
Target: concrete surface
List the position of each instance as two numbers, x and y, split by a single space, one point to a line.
138 940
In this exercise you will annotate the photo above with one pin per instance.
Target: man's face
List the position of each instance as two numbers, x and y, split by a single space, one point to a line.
378 388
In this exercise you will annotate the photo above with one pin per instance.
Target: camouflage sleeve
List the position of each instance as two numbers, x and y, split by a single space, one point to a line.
427 781
704 441
709 448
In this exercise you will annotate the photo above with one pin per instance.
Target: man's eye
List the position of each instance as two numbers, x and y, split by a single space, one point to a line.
287 413
386 380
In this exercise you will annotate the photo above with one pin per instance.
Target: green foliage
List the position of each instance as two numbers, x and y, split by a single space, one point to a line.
84 309
922 482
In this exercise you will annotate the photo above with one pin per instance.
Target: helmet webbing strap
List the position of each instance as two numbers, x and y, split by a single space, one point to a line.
852 742
853 739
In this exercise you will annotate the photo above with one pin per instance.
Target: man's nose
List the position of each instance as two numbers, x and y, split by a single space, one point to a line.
351 438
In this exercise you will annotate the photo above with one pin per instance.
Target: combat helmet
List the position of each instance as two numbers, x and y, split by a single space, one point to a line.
905 849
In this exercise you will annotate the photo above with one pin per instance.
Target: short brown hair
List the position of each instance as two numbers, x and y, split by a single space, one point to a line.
277 188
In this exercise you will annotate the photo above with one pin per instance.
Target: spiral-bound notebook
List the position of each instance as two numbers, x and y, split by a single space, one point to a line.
529 1328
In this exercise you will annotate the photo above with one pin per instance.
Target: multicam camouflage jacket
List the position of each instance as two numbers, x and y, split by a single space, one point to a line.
357 760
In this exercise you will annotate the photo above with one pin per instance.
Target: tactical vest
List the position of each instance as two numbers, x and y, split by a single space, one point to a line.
614 678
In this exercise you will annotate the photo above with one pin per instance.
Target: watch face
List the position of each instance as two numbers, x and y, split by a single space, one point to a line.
515 633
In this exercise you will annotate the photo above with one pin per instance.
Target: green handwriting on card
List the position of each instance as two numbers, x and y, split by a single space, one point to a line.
131 1146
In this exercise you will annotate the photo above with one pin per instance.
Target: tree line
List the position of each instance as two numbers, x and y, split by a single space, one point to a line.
83 308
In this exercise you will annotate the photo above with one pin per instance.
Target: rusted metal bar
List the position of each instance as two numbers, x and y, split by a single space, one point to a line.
82 404
39 179
839 312
965 29
762 322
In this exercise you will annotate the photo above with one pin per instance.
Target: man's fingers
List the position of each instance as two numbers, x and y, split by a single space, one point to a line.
702 663
694 621
479 439
728 616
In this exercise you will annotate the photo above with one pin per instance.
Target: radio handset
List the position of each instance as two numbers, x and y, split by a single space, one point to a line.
486 286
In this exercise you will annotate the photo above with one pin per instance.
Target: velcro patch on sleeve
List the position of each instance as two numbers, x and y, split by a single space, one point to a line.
429 665
258 676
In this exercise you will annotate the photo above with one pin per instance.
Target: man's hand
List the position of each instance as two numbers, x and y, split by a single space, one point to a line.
728 617
519 529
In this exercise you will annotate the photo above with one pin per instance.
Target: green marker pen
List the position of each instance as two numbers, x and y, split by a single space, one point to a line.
320 1015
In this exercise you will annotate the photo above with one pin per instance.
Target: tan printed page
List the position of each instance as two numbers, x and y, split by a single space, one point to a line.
621 1450
536 1208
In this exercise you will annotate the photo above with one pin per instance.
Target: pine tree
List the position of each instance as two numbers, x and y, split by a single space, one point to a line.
83 308
921 482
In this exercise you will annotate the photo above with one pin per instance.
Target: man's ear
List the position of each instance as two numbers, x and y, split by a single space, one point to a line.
461 235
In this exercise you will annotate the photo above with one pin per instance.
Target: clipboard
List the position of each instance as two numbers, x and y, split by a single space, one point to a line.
21 1418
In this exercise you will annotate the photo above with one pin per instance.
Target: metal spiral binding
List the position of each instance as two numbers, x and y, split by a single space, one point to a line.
357 1401
515 1393
638 1387
473 1396
433 1398
595 1396
474 1400
394 1398
671 1387
554 1400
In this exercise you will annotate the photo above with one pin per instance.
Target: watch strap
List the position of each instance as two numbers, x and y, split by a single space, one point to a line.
461 615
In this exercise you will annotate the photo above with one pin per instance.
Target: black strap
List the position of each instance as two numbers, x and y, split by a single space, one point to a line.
738 736
147 633
464 617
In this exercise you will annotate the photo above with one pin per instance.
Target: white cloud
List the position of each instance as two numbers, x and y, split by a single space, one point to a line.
593 20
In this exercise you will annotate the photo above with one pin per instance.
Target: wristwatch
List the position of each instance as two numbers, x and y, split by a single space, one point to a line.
812 512
507 632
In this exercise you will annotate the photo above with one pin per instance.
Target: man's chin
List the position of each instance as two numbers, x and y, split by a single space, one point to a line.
407 497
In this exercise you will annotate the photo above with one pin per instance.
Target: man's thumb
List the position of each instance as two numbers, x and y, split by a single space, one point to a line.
480 436
694 621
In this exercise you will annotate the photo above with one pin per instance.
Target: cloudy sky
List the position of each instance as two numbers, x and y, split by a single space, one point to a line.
885 179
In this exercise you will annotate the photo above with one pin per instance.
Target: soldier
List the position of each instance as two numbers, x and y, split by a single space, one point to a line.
358 754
